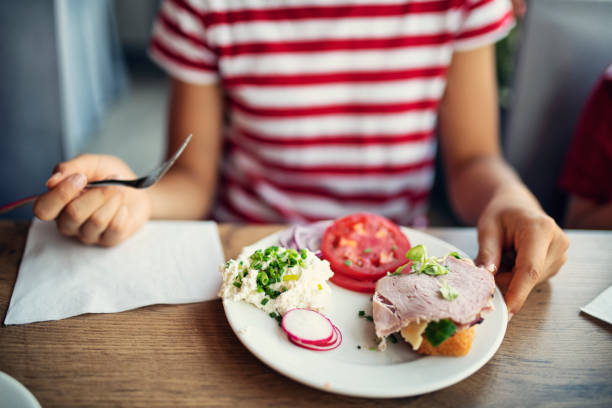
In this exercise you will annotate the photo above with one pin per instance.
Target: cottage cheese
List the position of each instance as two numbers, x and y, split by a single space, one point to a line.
308 287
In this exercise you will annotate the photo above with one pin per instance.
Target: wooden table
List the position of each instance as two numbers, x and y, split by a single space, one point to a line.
187 355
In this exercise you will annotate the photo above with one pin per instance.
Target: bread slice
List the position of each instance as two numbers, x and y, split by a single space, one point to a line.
456 346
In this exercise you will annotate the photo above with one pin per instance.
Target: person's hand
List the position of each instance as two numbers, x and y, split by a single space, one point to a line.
103 215
509 223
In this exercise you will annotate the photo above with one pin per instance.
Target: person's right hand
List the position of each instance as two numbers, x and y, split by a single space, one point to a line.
102 215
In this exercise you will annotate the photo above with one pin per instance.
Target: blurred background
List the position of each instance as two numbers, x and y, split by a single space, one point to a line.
76 78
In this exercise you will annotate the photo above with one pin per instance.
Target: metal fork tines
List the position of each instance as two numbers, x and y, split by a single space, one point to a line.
148 180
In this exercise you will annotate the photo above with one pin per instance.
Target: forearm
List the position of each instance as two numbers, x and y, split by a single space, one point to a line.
187 191
473 184
182 195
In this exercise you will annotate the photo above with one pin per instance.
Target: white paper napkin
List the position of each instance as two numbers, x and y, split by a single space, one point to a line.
164 262
601 306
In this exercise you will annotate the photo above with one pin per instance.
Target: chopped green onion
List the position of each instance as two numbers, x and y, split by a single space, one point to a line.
394 248
367 250
237 284
272 315
361 313
348 262
264 301
303 253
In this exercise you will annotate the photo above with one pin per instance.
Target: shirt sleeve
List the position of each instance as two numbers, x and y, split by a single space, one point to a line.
179 43
484 22
588 164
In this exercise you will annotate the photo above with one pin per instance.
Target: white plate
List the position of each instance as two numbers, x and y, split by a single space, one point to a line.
13 394
396 372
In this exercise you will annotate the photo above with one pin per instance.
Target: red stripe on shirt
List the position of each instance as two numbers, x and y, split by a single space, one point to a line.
240 212
180 59
249 191
328 12
322 193
335 77
178 31
506 19
335 170
479 4
288 213
354 108
359 140
344 44
184 5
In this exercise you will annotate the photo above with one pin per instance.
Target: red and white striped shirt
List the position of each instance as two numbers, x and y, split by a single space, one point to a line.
331 104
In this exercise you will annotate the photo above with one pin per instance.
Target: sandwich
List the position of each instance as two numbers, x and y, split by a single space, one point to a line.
436 305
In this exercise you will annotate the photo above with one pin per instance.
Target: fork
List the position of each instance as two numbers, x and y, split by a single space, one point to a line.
140 183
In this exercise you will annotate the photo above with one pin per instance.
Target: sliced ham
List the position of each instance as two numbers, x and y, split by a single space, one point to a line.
400 300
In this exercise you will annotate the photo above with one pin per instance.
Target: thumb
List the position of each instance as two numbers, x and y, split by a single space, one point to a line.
85 164
489 242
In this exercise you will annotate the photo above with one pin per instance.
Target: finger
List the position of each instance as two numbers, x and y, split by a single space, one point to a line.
92 166
55 179
490 240
557 254
529 267
81 208
502 280
87 164
98 222
48 206
117 229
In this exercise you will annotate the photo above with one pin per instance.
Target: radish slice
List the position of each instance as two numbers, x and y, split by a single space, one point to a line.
326 343
311 330
332 345
308 326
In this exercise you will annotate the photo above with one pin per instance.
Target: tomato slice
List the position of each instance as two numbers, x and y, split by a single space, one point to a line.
363 286
364 246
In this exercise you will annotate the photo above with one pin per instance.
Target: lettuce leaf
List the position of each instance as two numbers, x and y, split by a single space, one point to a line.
437 332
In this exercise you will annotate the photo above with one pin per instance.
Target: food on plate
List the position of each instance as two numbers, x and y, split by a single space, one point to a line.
435 306
362 248
311 330
277 279
304 236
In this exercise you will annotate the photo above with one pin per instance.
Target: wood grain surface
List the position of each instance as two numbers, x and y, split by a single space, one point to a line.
186 355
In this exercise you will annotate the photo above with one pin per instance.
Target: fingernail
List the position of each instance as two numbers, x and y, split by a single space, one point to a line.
78 180
492 268
54 177
510 315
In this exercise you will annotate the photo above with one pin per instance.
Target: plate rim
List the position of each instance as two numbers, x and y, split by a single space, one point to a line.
424 389
19 389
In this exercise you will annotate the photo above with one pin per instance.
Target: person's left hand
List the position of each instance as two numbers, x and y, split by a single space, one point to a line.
510 222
